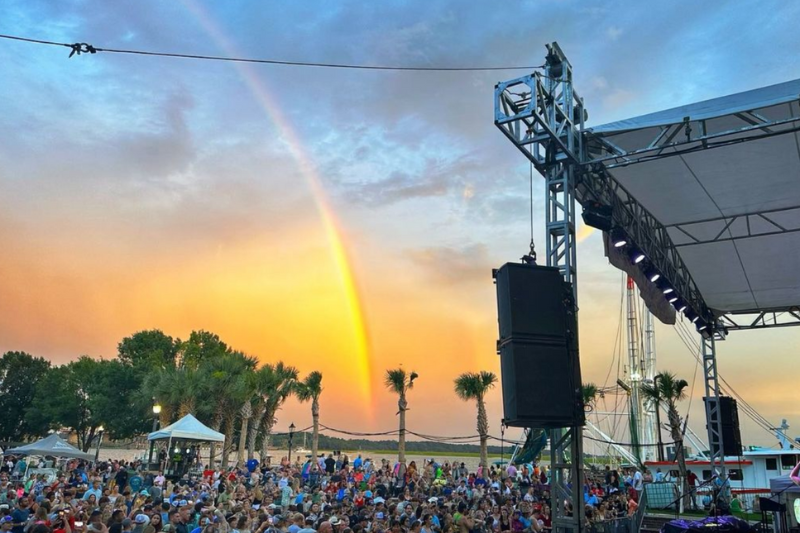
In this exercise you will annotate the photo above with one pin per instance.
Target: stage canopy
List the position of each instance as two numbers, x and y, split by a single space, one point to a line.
723 176
187 428
52 446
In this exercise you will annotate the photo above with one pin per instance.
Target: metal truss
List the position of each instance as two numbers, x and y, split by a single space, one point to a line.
736 227
687 137
541 110
716 454
545 122
646 231
761 319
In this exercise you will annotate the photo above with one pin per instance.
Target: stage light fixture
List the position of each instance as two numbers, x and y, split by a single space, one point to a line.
695 319
598 216
673 299
618 238
636 256
668 290
652 274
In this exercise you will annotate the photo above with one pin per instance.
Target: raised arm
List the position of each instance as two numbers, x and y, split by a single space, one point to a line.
795 475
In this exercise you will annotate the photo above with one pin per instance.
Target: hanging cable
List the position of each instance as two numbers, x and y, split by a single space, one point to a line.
82 48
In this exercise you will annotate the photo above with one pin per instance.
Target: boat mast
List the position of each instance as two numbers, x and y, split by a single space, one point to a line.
635 372
651 430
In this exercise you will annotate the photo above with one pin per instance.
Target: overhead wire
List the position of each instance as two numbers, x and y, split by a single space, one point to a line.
694 348
84 48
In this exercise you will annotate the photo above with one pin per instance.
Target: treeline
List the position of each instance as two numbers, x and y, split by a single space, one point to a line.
224 388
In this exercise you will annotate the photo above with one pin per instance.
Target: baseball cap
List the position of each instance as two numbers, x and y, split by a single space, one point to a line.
126 523
433 500
142 519
378 500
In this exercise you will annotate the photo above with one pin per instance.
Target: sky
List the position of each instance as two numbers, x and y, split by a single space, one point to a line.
338 220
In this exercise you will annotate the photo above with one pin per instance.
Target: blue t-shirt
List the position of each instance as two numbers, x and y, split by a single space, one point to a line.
19 516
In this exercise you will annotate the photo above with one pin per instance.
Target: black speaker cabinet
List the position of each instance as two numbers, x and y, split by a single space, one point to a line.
729 422
538 348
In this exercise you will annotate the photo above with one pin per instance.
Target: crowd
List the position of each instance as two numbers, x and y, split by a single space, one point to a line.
333 495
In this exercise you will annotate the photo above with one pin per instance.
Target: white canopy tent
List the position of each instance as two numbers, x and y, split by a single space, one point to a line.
50 446
187 428
731 208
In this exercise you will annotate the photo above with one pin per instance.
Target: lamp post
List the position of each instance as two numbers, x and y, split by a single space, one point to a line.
291 436
658 421
156 412
100 431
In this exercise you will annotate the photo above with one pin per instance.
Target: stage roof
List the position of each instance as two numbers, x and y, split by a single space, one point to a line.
732 208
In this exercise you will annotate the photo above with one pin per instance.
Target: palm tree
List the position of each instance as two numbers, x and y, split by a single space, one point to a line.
225 380
311 389
667 389
400 382
275 385
474 386
589 392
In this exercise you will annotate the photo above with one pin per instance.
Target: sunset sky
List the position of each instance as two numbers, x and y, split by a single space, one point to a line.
339 220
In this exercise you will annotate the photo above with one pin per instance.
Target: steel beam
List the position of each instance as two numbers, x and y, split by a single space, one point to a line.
713 413
686 137
781 318
735 227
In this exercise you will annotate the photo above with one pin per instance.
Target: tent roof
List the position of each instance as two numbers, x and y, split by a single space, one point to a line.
782 484
187 428
52 445
732 211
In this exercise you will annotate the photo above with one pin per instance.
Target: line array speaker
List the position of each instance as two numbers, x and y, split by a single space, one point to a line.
538 348
729 423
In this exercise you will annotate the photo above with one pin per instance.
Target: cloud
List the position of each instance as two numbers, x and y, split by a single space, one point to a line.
447 265
613 32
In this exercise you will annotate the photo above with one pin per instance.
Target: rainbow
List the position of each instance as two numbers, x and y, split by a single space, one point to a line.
329 221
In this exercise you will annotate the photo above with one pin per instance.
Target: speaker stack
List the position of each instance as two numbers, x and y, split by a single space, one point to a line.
729 424
538 347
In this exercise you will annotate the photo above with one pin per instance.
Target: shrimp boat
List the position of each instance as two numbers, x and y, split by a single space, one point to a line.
633 419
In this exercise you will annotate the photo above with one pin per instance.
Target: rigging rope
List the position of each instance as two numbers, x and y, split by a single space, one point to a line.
84 48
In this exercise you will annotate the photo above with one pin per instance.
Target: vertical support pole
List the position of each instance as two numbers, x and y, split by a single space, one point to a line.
566 444
716 454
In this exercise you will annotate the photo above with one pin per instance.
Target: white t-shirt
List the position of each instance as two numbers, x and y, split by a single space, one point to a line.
638 481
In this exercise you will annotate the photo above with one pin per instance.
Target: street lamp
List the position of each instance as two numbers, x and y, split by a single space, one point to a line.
291 436
156 412
100 430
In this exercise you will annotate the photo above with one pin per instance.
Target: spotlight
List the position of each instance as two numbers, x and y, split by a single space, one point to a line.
637 256
695 319
668 290
651 273
598 215
618 238
682 308
673 299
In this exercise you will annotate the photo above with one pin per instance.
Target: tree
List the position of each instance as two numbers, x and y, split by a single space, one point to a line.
66 396
667 389
400 382
276 384
224 379
149 350
116 401
474 386
201 346
589 394
19 373
311 389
